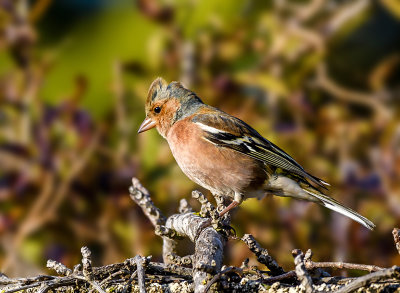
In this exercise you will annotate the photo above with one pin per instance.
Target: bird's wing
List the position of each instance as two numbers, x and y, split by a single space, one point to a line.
225 130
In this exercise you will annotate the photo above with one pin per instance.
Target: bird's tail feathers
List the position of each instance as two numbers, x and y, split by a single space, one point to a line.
336 206
282 185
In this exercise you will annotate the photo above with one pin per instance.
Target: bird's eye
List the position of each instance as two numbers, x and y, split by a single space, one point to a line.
157 110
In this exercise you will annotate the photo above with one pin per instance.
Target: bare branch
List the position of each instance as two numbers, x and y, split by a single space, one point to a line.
393 272
301 271
262 255
219 275
141 196
288 275
140 273
60 268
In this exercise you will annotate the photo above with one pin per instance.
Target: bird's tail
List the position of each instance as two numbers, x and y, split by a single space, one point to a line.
336 206
284 186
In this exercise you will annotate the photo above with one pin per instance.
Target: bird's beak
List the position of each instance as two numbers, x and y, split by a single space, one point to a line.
146 125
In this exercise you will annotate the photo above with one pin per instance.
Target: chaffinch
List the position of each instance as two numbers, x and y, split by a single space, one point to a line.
225 155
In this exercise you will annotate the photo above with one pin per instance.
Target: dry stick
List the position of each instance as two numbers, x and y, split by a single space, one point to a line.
41 278
208 246
262 255
140 273
60 268
184 207
396 237
393 272
219 275
141 197
88 270
301 271
288 275
20 288
341 265
49 284
129 284
311 265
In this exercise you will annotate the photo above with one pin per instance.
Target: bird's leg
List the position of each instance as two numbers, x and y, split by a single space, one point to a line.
237 200
232 205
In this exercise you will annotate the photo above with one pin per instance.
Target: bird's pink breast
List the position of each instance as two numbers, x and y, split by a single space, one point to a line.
221 170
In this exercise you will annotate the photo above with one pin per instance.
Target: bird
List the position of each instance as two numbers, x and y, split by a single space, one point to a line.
228 157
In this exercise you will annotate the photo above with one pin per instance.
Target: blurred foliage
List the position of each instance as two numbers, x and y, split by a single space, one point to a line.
318 78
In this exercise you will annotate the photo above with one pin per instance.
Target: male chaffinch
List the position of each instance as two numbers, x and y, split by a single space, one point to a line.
225 155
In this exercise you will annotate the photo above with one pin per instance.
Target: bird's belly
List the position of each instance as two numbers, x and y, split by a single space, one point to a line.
222 171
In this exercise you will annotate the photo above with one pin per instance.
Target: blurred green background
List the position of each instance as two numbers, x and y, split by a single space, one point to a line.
319 78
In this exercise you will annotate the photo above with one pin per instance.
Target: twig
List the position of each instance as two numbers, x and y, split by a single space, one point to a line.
301 271
20 288
87 263
341 265
393 272
311 265
129 283
186 260
184 207
207 209
208 246
140 273
60 268
219 275
396 237
262 255
288 275
141 196
88 270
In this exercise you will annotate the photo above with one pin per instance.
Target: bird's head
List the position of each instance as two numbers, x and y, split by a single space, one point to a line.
167 104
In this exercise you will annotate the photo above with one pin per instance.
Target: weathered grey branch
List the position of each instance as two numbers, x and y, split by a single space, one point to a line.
208 246
301 271
141 196
140 273
262 255
311 265
184 207
393 272
60 268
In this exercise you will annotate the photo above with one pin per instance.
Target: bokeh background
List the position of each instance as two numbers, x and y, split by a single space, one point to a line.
319 78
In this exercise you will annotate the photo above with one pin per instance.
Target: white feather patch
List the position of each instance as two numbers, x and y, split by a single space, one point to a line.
209 128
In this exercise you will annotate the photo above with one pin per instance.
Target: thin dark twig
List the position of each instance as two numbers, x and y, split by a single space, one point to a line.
288 275
129 284
219 275
262 255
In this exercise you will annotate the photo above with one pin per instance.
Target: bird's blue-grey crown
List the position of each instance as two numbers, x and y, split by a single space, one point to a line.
161 90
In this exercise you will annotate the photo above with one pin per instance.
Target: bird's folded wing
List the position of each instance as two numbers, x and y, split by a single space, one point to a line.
224 130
